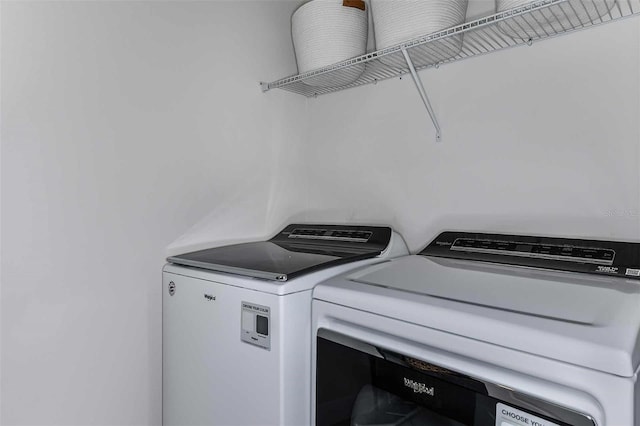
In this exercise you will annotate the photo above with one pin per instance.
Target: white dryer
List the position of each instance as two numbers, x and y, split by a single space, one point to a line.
237 322
482 330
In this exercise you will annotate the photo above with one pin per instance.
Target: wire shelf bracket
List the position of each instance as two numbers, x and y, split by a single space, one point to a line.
423 93
534 21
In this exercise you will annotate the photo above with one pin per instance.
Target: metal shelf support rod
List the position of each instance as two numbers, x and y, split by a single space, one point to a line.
423 94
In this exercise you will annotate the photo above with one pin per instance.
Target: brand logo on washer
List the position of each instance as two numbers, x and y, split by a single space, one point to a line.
209 297
608 269
419 387
172 288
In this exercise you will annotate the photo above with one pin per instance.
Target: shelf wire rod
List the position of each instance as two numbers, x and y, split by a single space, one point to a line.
630 7
532 26
618 6
437 55
557 19
377 68
453 48
473 43
438 49
467 46
586 11
481 40
442 51
481 35
423 94
541 24
609 11
515 21
566 17
497 37
573 13
518 35
425 54
597 12
469 43
500 36
582 20
550 21
463 54
467 50
478 39
464 50
389 73
398 66
382 74
494 42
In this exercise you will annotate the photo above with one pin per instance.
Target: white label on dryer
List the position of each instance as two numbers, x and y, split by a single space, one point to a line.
509 416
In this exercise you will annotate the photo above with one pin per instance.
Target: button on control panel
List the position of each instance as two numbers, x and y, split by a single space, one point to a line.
600 257
331 234
569 253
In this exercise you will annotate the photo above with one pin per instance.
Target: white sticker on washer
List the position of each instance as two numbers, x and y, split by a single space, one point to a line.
633 272
509 416
255 324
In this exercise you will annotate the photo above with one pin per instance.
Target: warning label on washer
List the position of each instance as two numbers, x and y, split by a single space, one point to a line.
509 416
254 324
633 272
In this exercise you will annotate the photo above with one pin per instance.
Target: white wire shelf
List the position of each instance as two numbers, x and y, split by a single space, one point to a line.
535 21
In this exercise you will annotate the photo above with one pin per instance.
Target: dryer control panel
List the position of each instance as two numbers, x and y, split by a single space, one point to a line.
615 258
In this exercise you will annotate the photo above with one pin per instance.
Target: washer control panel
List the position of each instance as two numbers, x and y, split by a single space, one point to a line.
569 253
352 235
355 238
255 324
613 258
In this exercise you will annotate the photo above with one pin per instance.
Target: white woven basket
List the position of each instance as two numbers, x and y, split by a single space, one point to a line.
325 32
396 21
572 13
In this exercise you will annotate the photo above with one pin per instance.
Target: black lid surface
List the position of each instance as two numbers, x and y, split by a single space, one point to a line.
295 250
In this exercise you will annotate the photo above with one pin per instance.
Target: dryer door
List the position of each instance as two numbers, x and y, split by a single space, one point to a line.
358 384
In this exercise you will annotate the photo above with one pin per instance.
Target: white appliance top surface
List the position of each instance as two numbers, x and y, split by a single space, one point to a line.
576 318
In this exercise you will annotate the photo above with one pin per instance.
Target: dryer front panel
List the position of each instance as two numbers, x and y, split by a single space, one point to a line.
359 384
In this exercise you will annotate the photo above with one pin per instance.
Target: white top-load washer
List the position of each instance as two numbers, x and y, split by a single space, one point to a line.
237 322
482 330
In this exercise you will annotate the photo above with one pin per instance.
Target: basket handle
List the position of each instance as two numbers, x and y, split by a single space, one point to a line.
358 4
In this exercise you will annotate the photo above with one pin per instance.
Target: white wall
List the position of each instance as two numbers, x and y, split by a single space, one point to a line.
126 123
541 140
123 124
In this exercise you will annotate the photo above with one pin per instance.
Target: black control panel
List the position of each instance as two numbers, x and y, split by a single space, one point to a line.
296 250
342 235
612 258
331 234
536 250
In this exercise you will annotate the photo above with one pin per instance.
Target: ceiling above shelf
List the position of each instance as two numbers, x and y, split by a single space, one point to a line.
538 20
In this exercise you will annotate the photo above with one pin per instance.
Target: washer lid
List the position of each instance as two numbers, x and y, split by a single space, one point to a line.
575 318
295 250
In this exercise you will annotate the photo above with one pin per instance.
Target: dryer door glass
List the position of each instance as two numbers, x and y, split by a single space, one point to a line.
360 385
